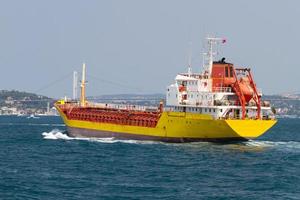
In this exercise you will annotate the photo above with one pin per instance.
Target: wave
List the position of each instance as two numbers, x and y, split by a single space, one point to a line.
274 144
57 134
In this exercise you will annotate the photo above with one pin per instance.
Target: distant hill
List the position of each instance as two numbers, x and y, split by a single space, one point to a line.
287 105
13 101
18 95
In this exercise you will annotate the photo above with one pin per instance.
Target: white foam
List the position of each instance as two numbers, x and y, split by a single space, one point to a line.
254 143
289 145
281 145
57 134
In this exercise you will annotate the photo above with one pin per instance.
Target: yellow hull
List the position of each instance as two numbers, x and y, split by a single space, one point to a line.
178 125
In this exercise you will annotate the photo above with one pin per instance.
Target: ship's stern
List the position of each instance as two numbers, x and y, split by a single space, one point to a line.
250 129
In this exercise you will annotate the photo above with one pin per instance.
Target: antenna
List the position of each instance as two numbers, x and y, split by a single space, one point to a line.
208 57
82 96
190 60
75 84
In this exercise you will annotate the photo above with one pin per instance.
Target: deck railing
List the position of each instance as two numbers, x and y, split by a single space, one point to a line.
124 106
222 89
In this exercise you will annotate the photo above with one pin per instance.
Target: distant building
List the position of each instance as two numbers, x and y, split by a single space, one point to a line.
9 101
8 111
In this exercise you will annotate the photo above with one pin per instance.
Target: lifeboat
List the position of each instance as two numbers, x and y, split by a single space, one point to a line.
246 88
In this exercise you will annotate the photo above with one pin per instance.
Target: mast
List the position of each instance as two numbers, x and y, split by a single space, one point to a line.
209 56
82 95
75 81
190 61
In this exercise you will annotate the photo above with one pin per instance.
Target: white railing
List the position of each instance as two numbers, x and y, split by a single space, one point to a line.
222 89
123 106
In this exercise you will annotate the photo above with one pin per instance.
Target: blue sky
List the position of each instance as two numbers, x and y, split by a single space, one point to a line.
137 46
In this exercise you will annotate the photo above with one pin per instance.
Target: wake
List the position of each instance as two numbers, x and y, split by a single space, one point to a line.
61 135
57 134
288 145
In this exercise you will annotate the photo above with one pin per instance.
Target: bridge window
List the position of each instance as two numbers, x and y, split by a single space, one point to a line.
231 72
226 71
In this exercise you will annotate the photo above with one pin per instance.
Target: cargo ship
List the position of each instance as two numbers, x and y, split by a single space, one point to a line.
221 103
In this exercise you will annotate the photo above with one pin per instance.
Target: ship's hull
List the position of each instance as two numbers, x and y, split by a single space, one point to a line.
173 127
88 133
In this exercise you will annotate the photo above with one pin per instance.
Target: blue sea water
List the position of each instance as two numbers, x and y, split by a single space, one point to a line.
38 161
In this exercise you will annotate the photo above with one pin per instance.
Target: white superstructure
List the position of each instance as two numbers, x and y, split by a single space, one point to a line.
221 90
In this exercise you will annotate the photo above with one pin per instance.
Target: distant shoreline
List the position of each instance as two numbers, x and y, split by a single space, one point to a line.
13 102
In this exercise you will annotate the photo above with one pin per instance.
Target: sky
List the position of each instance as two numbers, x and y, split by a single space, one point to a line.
138 46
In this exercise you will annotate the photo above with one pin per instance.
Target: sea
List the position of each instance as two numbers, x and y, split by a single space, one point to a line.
39 161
